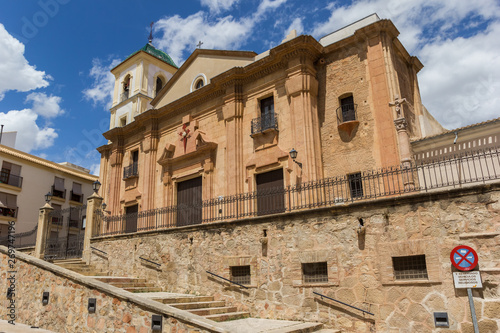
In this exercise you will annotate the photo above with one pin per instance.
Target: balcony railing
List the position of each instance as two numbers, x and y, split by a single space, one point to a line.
458 172
10 179
267 121
346 112
9 212
19 240
57 193
76 197
131 171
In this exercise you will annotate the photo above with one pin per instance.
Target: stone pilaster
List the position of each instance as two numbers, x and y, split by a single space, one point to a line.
302 90
116 175
43 227
149 150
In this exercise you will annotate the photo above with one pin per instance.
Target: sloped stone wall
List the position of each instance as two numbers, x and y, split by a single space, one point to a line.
66 311
360 269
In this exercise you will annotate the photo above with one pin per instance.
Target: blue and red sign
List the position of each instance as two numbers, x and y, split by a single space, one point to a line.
464 258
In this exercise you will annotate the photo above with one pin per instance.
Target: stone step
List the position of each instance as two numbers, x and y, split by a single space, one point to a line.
142 289
213 311
299 328
187 299
198 305
327 330
228 316
132 284
119 279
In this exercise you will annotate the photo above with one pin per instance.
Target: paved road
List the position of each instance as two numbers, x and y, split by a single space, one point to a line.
5 327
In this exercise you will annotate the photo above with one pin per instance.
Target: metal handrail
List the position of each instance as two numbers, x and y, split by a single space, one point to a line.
227 279
157 264
93 248
343 303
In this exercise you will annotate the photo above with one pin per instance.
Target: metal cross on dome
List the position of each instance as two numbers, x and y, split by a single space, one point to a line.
200 43
151 33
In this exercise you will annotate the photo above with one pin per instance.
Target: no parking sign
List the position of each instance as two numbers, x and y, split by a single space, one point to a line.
464 258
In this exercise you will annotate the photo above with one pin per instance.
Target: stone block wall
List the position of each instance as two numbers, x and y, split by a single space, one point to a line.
66 311
360 269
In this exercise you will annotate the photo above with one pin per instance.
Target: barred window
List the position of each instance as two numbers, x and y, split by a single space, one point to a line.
409 267
316 272
356 185
240 274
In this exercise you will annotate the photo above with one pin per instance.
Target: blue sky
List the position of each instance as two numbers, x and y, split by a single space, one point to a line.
55 55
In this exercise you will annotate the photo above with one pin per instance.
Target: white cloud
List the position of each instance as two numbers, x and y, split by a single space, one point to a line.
297 25
180 35
101 91
45 106
217 6
15 71
95 169
460 81
29 135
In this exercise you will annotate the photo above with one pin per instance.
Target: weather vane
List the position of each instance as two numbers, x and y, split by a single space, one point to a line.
151 33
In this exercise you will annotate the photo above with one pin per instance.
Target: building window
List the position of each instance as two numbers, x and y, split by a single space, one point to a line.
268 119
74 217
316 272
133 169
241 274
356 185
347 110
11 174
123 121
58 189
410 267
126 88
159 85
8 205
76 193
199 84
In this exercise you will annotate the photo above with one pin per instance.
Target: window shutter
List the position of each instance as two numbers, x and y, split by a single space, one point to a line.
6 165
3 200
11 201
15 170
77 189
59 184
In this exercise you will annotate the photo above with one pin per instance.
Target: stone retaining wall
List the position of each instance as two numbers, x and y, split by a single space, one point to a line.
117 310
360 268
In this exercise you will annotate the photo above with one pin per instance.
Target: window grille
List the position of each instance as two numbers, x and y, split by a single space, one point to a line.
356 185
240 274
409 267
316 272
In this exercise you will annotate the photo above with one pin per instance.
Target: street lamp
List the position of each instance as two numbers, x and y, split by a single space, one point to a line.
293 154
104 206
96 186
48 196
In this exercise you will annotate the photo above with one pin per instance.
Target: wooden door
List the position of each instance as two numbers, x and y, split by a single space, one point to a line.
189 201
270 192
131 218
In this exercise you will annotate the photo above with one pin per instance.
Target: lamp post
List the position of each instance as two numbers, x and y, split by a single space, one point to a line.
96 186
48 197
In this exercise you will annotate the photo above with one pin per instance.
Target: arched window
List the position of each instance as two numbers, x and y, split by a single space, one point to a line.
126 88
199 84
159 85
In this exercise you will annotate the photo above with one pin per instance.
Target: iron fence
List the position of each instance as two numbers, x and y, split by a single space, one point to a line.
131 171
23 239
10 179
460 171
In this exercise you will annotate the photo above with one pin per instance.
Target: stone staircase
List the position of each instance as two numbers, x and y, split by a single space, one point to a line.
205 306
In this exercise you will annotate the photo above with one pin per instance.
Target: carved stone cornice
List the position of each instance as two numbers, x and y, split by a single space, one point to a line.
401 124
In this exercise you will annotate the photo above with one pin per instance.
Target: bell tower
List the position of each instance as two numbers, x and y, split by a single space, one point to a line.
138 79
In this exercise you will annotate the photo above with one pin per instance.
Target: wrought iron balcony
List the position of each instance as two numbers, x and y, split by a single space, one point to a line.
10 212
346 112
57 193
9 179
131 171
76 197
266 122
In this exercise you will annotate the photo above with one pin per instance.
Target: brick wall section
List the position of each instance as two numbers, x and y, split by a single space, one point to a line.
358 268
117 310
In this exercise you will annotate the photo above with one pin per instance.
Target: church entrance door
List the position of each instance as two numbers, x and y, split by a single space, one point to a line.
131 218
270 192
189 202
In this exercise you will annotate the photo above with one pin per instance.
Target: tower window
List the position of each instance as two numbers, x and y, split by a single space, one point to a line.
199 84
159 85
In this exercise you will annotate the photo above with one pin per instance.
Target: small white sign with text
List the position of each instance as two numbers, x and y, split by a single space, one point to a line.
467 279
